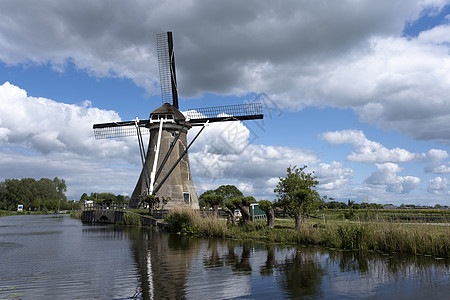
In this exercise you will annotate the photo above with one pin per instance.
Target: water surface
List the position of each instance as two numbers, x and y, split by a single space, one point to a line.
56 257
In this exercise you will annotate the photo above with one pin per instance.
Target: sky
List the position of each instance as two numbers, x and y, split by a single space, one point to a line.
358 91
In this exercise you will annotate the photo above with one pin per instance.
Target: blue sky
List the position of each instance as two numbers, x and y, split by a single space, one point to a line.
356 90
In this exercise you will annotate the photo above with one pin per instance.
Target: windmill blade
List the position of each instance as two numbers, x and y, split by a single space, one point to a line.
238 112
119 129
166 62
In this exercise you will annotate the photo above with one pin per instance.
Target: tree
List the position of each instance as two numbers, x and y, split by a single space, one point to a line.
296 194
229 208
227 192
267 207
61 187
243 203
214 201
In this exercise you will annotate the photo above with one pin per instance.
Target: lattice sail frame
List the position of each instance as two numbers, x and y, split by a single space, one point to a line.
237 112
166 63
119 129
196 116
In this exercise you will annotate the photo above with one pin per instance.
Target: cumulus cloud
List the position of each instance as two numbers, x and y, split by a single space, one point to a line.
224 150
346 54
365 150
438 185
435 159
386 177
44 138
333 176
45 126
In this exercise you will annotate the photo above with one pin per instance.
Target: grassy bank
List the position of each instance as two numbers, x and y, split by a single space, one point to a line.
383 236
4 213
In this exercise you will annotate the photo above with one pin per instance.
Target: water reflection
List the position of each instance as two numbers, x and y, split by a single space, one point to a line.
67 260
301 273
171 266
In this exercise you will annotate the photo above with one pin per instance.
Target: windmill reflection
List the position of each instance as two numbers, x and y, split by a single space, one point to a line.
162 263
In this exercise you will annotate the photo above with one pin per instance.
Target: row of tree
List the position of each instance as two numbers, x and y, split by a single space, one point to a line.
296 195
106 198
34 195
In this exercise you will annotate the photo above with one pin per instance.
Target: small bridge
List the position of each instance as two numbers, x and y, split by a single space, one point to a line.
100 214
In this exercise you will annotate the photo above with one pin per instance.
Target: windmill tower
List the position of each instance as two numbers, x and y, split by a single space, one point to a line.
165 165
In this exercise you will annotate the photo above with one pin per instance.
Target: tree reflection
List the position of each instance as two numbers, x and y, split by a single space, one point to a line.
267 268
301 274
239 266
213 259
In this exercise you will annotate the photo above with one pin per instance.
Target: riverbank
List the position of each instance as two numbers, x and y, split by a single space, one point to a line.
4 213
383 236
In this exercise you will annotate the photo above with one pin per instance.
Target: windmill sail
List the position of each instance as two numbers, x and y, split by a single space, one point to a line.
238 112
119 129
196 116
166 62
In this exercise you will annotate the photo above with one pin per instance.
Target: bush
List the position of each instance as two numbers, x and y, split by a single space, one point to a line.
181 223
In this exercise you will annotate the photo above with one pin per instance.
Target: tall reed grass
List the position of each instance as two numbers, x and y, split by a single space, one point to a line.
386 237
130 218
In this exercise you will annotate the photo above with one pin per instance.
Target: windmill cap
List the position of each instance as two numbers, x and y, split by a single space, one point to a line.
168 109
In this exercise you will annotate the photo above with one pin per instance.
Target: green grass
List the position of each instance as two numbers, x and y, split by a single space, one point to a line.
383 236
131 218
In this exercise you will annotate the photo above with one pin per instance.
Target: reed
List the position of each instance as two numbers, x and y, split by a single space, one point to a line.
386 237
130 218
76 214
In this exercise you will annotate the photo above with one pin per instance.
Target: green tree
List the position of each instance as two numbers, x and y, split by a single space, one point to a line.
214 201
243 203
228 191
296 194
268 207
229 208
61 187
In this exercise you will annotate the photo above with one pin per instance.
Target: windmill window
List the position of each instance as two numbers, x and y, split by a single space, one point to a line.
187 198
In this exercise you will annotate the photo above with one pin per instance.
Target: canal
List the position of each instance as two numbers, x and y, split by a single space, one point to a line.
56 257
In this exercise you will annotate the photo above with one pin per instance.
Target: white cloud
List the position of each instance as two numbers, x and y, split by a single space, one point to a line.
365 150
386 177
44 138
438 185
333 176
346 54
435 159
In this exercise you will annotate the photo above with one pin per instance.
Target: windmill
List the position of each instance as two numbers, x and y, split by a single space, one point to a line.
165 164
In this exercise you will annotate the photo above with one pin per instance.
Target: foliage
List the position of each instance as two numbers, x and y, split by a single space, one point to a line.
226 191
214 201
107 198
34 195
182 222
296 194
